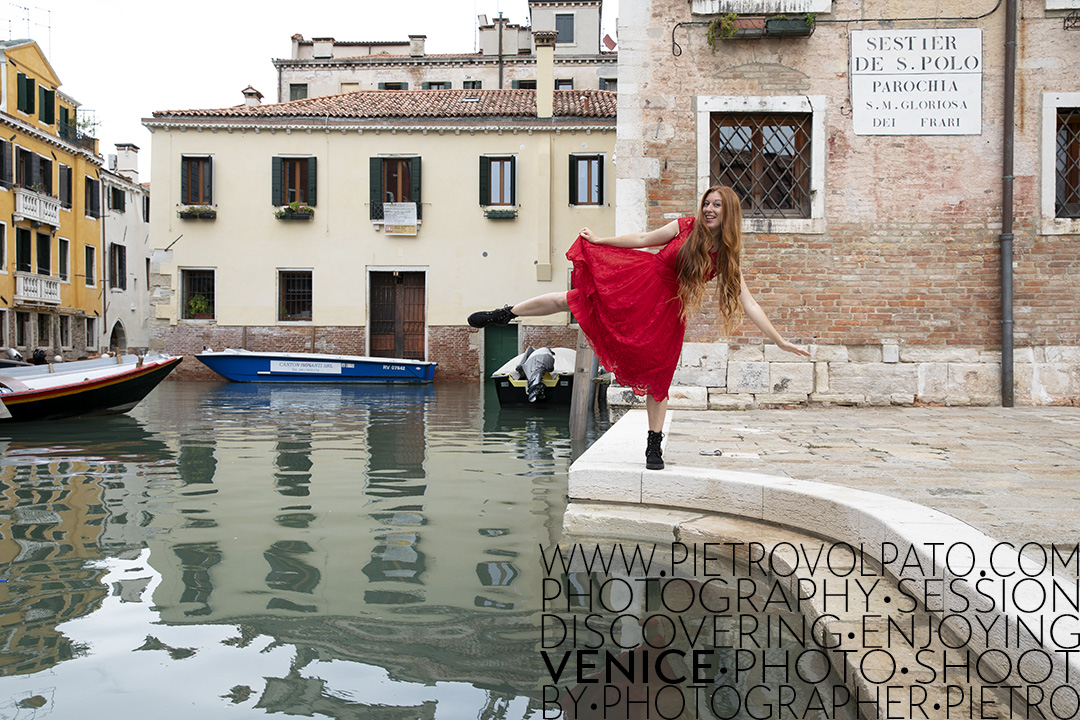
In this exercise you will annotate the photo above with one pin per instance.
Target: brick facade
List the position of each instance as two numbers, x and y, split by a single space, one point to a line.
906 262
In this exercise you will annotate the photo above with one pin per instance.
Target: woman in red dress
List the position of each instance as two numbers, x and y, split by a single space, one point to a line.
633 305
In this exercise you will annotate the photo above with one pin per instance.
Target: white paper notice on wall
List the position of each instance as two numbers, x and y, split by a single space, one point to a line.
399 218
917 82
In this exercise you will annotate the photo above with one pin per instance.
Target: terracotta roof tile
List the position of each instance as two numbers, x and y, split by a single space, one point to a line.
374 104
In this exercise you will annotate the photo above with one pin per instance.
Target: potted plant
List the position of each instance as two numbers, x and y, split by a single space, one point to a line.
199 308
294 211
193 212
733 25
784 26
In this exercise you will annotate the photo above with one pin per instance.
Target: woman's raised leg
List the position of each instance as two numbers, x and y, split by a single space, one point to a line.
548 304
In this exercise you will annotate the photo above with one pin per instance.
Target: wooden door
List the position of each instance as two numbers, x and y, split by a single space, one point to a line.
398 322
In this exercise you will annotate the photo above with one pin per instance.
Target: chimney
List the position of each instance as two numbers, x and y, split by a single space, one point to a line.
545 72
127 160
296 40
416 45
323 48
252 96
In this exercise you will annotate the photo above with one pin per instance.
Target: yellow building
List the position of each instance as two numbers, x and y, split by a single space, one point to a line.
50 212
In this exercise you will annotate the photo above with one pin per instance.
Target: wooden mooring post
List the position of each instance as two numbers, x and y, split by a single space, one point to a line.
581 397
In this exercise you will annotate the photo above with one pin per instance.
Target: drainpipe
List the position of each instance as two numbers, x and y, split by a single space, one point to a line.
500 51
1007 207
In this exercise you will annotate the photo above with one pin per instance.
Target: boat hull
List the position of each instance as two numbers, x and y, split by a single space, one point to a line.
112 394
558 389
238 366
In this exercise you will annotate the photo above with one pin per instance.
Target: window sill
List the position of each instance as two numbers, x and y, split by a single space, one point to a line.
1060 226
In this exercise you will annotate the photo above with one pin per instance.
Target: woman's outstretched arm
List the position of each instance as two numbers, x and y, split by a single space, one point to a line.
660 236
761 320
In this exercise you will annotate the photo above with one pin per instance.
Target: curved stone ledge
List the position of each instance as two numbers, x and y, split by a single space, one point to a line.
950 564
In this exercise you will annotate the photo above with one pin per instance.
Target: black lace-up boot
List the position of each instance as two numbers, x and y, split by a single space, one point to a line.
500 316
654 459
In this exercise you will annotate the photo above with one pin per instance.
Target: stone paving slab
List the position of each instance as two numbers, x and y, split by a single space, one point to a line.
1013 473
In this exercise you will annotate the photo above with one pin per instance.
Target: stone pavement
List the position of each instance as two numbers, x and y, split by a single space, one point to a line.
1012 473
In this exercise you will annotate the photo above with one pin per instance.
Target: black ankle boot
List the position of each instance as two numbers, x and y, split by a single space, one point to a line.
654 459
500 316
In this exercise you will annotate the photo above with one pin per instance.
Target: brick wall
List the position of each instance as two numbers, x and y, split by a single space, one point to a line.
909 256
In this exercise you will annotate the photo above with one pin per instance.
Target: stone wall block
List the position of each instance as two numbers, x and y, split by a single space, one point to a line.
821 377
976 384
720 400
876 381
688 398
938 355
933 382
791 378
746 353
864 353
1062 354
775 354
750 377
702 364
829 353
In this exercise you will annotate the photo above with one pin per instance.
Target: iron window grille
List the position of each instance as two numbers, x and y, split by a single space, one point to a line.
296 296
197 293
766 159
1067 194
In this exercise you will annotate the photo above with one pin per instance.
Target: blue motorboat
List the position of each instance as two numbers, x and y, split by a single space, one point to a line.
250 366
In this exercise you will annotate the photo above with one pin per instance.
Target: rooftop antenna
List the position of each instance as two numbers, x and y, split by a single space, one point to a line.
48 29
26 11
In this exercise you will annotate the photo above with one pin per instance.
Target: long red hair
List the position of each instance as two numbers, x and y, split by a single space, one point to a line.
694 262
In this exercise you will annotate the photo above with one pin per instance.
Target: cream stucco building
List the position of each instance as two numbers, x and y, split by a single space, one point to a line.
500 181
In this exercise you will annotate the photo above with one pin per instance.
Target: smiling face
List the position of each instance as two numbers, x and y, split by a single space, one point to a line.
712 211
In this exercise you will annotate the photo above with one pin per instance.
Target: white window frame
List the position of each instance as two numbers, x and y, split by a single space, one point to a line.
1050 224
90 324
97 275
65 320
814 105
555 26
516 182
277 279
762 7
62 243
3 250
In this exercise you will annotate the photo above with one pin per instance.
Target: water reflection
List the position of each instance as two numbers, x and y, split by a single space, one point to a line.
297 550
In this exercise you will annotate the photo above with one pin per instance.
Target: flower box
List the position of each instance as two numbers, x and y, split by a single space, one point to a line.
800 26
500 214
294 216
197 214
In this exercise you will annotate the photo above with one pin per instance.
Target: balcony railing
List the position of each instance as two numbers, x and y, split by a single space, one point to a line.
75 136
33 206
37 288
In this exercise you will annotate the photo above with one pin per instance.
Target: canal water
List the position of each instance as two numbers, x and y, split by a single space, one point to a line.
232 550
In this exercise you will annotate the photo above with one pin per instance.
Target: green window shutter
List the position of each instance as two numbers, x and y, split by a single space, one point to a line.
50 103
426 85
414 172
382 86
64 115
375 193
573 180
515 84
404 86
208 182
276 192
311 184
600 180
184 167
31 87
513 180
485 180
41 103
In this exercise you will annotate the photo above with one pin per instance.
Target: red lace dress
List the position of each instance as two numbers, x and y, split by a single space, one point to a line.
626 302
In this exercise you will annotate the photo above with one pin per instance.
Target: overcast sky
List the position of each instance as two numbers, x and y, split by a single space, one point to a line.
125 59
